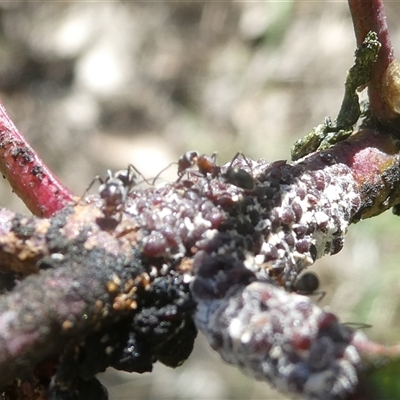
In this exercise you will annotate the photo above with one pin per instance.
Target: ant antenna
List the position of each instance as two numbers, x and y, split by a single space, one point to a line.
96 178
131 177
163 170
357 325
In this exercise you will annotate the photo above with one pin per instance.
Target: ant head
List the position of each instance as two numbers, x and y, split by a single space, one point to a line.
112 192
126 176
186 161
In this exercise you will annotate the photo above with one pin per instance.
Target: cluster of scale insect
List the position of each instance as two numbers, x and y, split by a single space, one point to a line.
276 221
304 214
174 219
252 221
284 339
178 217
293 215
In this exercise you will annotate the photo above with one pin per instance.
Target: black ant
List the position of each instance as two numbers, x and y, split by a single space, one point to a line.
308 284
238 176
114 189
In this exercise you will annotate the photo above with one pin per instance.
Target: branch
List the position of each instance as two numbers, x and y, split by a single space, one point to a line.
29 177
384 84
117 280
98 270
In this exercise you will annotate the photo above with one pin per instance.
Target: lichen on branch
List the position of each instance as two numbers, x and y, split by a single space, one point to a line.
328 133
383 86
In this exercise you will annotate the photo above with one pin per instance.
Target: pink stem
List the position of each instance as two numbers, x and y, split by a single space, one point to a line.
368 15
29 177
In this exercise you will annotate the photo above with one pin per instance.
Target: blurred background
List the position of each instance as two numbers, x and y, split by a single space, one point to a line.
100 85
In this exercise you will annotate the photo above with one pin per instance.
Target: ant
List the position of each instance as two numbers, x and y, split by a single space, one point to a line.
114 189
208 165
238 176
308 284
205 164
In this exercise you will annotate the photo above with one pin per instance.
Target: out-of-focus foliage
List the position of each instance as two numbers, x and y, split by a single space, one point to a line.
97 85
382 380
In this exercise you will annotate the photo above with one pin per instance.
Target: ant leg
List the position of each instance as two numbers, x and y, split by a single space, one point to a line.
320 293
245 159
132 167
96 178
234 158
357 325
191 171
214 157
163 170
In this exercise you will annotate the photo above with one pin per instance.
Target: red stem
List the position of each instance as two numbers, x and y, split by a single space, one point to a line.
368 15
29 177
